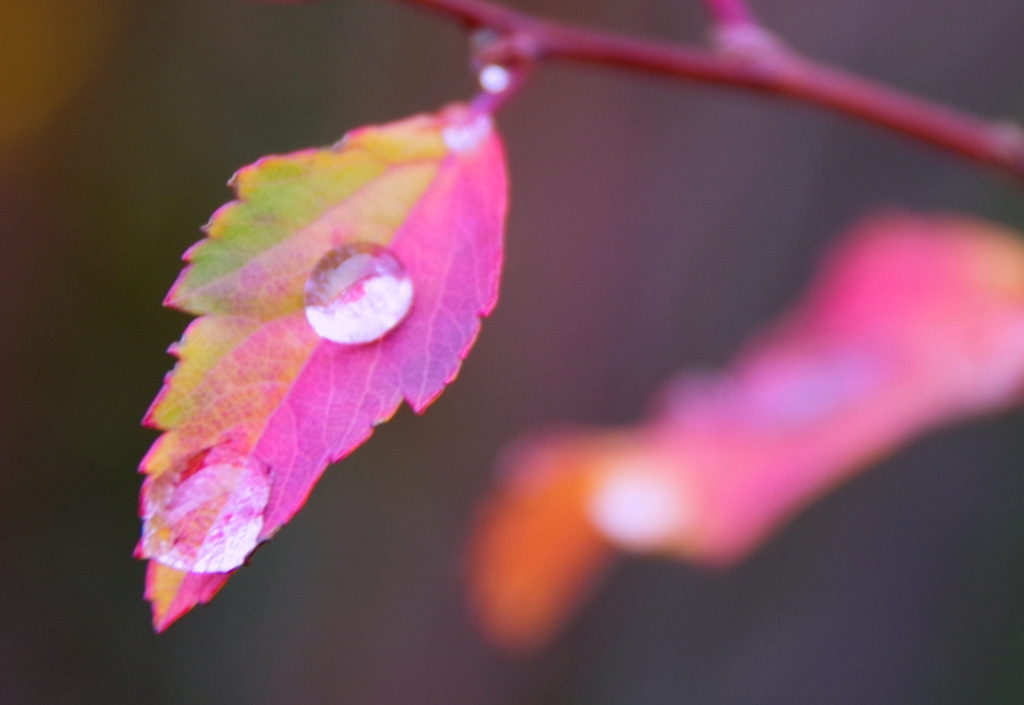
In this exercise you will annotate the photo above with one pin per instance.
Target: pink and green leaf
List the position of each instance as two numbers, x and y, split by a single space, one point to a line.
254 377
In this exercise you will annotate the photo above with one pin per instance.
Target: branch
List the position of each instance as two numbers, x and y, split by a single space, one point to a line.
477 13
755 61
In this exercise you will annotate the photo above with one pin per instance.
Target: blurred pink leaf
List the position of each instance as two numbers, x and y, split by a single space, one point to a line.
911 322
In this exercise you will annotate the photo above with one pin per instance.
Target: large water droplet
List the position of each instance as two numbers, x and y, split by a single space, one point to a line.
357 293
206 516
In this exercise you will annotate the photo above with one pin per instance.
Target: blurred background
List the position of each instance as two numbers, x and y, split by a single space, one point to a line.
654 226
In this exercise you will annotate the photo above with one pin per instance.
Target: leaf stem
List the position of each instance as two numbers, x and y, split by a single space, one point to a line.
757 62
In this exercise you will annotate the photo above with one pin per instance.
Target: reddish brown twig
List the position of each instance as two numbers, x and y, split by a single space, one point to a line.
748 58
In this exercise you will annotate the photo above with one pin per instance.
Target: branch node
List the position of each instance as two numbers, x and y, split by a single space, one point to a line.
513 49
483 39
749 42
1009 138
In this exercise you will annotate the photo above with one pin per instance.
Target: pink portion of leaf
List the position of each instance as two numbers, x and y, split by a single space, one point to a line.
912 322
454 258
184 590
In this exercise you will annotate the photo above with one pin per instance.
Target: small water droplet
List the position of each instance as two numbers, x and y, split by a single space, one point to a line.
494 78
206 516
356 293
466 134
639 506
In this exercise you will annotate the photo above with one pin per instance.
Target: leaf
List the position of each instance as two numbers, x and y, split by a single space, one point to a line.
535 549
259 404
913 321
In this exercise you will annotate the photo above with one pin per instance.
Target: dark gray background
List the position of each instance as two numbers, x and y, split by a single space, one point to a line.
654 225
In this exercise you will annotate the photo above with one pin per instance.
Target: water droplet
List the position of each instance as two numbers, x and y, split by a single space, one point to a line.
206 516
357 293
640 507
466 134
494 78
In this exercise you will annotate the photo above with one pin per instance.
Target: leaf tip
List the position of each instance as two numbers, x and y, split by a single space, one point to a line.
171 593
